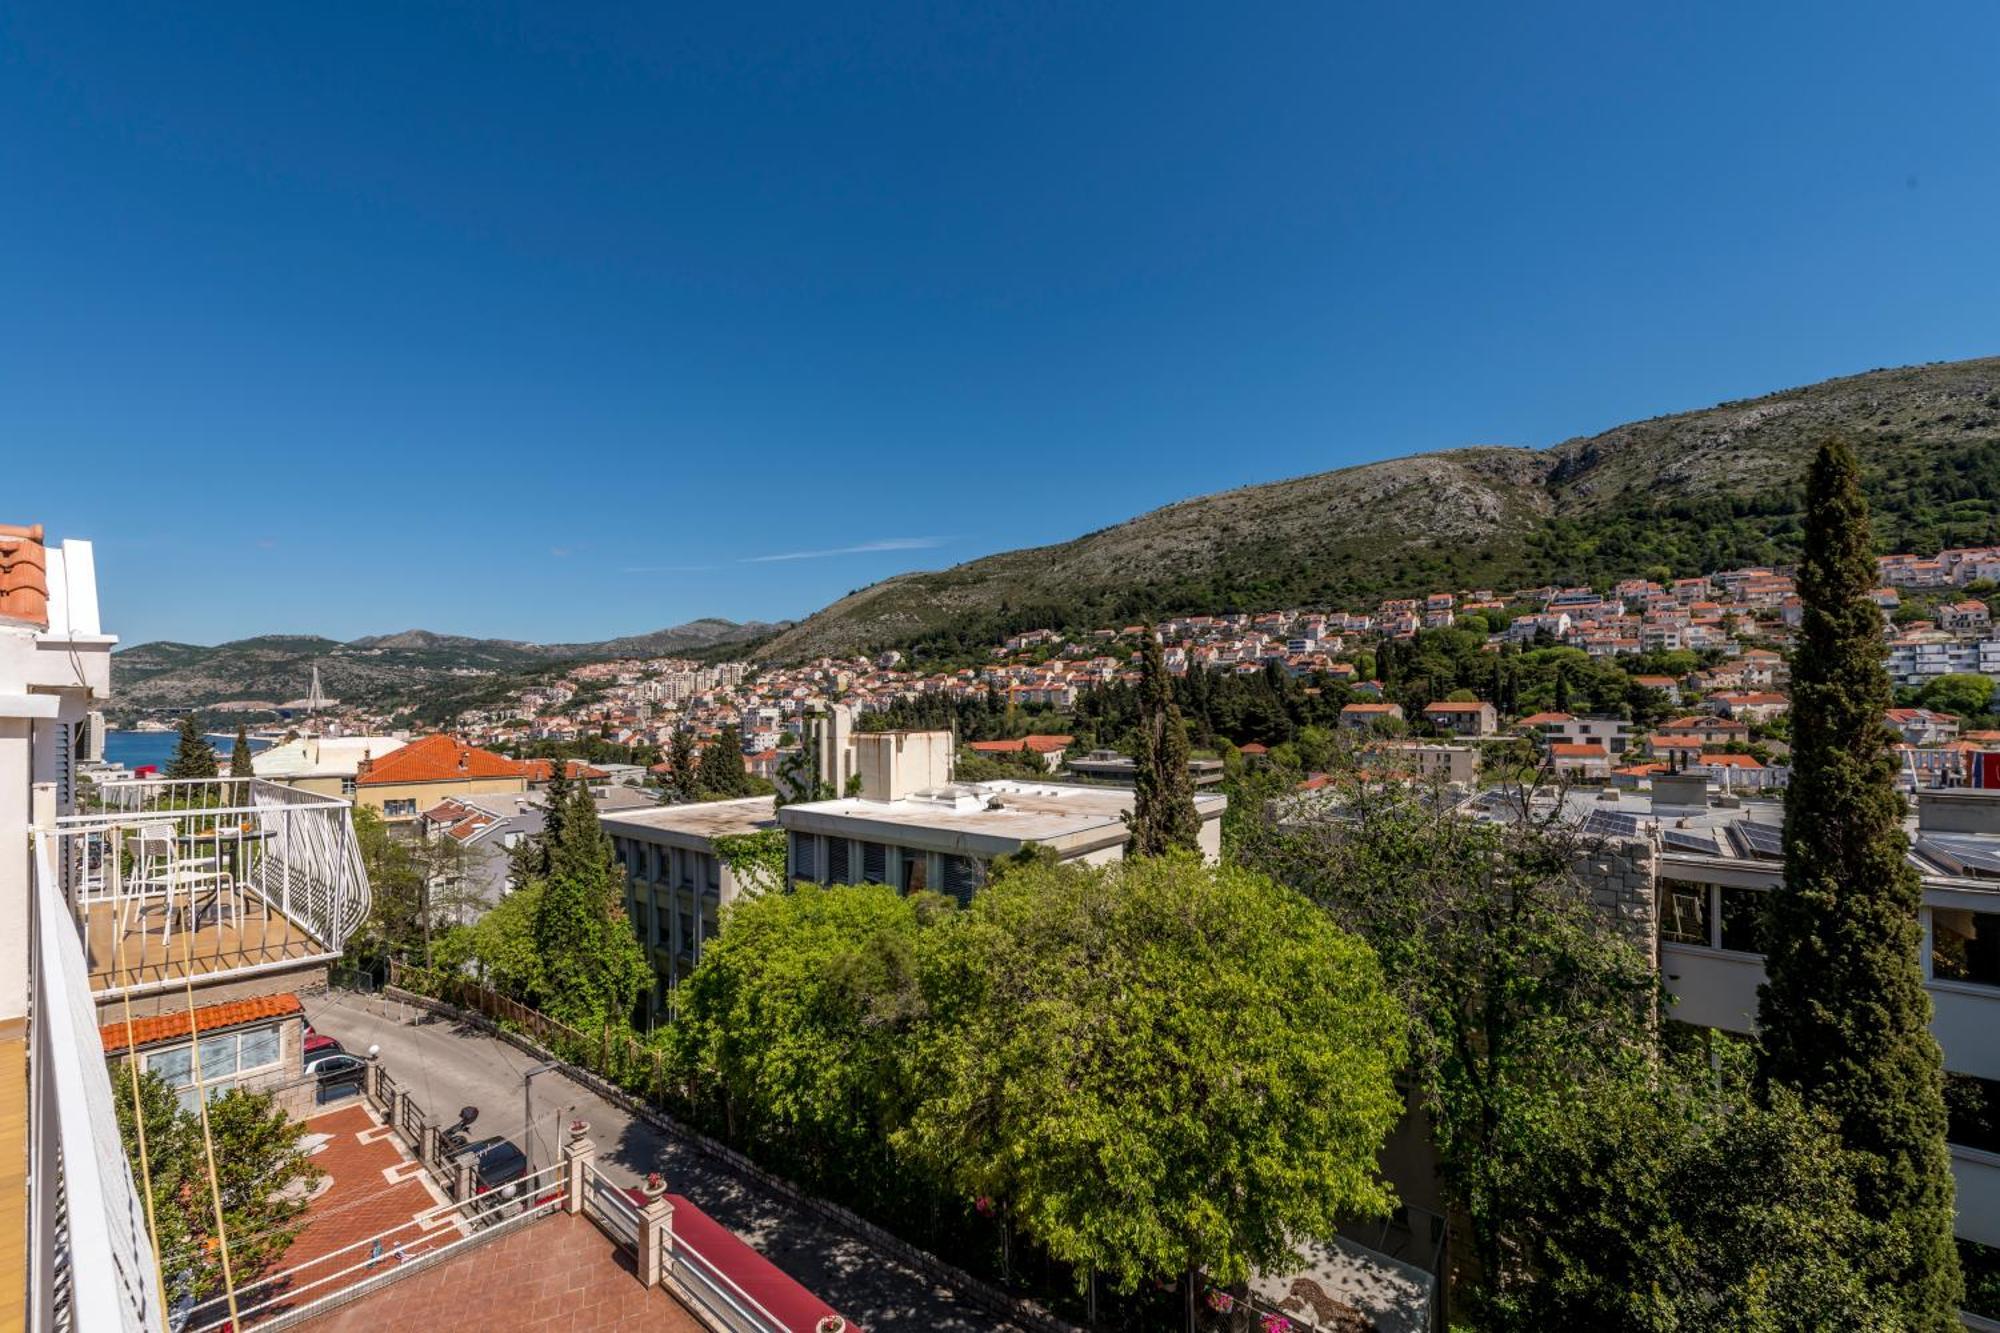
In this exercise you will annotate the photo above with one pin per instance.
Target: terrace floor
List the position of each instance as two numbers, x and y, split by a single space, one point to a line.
560 1272
258 936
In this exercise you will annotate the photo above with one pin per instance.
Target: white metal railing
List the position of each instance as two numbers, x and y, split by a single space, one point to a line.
609 1205
220 874
91 1256
372 1260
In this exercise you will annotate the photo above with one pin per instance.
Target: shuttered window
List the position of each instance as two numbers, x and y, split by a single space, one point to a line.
960 877
874 863
836 861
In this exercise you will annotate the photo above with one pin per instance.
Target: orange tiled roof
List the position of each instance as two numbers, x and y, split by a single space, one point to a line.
24 577
1577 750
541 770
438 759
167 1027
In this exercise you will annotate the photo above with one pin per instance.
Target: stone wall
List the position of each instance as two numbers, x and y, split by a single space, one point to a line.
1620 876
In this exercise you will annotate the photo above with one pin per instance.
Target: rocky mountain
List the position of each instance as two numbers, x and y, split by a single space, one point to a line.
384 670
1682 494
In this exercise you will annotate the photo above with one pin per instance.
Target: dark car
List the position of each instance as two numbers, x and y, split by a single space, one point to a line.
497 1169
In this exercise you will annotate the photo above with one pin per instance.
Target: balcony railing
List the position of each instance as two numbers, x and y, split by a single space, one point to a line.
170 879
91 1256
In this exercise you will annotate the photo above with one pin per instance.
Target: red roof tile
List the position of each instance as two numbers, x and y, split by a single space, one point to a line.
24 577
541 770
438 759
167 1027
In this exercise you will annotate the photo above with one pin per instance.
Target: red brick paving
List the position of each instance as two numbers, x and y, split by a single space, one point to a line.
558 1273
361 1202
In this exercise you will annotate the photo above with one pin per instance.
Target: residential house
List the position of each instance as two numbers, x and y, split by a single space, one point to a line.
1050 748
1923 726
1366 717
417 776
1463 718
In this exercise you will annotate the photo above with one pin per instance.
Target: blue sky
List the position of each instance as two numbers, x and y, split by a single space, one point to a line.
567 321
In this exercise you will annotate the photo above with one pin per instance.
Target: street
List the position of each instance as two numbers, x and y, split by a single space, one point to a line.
447 1065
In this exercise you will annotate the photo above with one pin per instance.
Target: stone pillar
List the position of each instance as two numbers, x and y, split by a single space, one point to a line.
656 1231
1621 879
576 1159
463 1186
372 1082
427 1137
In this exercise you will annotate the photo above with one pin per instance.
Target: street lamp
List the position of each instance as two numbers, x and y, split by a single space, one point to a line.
528 1107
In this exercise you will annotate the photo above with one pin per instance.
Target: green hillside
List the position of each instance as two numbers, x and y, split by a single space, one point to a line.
1685 493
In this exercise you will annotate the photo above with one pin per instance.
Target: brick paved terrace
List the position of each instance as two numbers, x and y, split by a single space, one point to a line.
560 1272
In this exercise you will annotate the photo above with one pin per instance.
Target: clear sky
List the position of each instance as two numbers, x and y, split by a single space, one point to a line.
574 320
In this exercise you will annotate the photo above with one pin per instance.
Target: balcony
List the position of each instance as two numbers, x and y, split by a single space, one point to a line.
169 882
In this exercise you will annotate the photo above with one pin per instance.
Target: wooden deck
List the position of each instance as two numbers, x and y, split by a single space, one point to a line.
258 937
13 1181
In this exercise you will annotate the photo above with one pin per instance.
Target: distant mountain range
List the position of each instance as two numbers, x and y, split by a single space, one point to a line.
1683 494
411 669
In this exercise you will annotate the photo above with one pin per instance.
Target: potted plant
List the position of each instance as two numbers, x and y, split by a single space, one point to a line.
832 1323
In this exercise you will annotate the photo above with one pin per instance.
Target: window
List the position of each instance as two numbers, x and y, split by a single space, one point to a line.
393 809
639 920
1965 946
347 786
803 866
836 861
1972 1110
1743 920
959 876
874 862
225 1058
1684 912
916 872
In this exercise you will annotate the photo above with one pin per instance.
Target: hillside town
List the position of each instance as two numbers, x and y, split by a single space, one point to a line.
1719 641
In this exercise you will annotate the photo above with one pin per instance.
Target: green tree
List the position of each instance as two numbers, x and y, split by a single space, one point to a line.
260 1171
1843 1012
1163 816
1515 993
193 757
793 1028
592 967
721 775
682 764
1670 1200
1157 1067
499 947
1966 695
241 764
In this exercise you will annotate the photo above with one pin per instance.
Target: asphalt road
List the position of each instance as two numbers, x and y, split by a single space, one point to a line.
446 1065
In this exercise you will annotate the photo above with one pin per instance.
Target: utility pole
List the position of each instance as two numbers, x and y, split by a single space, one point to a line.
528 1107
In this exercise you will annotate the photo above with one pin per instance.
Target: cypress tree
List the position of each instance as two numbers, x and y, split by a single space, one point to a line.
240 763
1562 687
1843 1012
1163 817
193 757
721 773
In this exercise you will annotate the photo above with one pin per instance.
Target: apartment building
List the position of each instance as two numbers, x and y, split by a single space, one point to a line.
404 783
676 884
1463 719
139 918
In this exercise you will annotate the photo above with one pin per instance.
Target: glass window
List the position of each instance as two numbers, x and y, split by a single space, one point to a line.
260 1048
1965 946
1683 911
1743 920
1972 1106
175 1066
218 1057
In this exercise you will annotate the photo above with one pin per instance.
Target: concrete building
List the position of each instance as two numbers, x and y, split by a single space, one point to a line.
325 765
944 837
1463 719
1109 766
676 885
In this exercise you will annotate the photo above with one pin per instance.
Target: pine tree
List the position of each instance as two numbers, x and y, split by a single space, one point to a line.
240 763
681 764
193 757
1163 816
721 774
1844 1016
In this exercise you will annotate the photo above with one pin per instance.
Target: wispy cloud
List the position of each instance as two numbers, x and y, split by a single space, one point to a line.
666 569
559 552
859 548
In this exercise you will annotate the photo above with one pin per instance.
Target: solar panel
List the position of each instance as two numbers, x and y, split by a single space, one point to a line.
1611 824
1962 856
1688 840
1761 841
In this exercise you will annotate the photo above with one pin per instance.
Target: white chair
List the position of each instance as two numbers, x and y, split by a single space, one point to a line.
160 870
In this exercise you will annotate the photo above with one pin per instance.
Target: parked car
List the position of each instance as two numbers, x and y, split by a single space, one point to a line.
336 1066
318 1043
497 1169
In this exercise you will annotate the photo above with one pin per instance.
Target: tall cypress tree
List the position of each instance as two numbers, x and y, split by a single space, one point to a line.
1163 817
193 757
241 765
721 774
1843 1011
